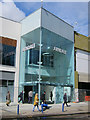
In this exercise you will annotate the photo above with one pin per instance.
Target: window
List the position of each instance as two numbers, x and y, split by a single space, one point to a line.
10 82
47 60
7 51
34 56
6 83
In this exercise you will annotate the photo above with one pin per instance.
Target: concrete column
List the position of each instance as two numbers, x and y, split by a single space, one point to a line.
76 95
16 82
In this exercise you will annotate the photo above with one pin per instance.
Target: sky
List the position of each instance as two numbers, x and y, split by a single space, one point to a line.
74 13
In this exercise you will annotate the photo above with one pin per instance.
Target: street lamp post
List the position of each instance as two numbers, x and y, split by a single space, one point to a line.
39 79
40 45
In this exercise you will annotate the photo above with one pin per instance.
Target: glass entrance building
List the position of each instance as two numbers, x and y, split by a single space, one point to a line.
47 56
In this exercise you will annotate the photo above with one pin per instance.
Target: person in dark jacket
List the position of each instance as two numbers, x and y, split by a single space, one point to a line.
65 99
43 97
8 98
21 97
51 95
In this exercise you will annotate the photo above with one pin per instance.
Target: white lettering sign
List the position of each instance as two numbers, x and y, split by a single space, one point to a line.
9 54
59 50
29 47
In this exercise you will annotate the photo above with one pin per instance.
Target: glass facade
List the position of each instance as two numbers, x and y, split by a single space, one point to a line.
56 68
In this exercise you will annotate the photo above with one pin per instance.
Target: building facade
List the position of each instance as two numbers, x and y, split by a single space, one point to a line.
82 61
9 58
46 56
37 54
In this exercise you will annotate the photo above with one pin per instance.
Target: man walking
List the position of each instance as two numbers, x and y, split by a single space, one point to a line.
30 95
65 99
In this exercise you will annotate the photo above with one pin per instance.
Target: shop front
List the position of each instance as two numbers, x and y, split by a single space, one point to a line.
47 62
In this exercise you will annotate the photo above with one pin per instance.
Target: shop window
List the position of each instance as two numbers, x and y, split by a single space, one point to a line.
10 82
7 51
8 56
4 83
34 56
47 60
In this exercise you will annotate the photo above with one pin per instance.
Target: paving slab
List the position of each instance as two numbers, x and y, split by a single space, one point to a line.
25 110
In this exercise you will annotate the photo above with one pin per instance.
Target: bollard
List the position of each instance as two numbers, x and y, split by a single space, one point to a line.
18 109
63 107
42 107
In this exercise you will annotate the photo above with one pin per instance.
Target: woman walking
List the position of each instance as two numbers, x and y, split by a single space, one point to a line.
36 100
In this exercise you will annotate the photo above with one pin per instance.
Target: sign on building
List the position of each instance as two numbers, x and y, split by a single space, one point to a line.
59 50
29 47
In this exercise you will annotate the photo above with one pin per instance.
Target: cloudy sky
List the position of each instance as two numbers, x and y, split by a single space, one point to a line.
75 13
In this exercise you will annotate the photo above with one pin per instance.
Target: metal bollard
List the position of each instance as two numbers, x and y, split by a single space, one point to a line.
42 107
63 107
18 109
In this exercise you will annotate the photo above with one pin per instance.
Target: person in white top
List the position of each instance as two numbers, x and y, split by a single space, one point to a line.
30 95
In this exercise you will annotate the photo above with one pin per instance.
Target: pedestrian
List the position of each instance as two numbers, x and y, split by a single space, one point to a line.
43 97
36 100
21 97
8 98
65 99
30 94
51 95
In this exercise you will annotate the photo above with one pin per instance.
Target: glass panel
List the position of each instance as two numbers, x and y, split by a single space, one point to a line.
29 60
8 55
10 82
57 62
47 59
57 54
34 56
4 83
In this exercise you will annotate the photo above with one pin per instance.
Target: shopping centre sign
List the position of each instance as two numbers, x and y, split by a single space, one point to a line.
29 47
60 50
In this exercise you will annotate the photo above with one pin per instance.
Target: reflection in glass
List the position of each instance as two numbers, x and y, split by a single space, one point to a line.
8 55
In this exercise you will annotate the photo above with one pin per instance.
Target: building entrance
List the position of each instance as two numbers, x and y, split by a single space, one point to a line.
27 89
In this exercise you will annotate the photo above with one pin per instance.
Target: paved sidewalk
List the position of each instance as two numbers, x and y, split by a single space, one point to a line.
54 109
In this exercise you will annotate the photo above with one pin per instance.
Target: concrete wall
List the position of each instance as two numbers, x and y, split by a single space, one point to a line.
43 18
56 25
82 42
9 29
31 22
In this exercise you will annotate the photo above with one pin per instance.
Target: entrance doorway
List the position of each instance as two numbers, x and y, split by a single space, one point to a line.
27 89
67 90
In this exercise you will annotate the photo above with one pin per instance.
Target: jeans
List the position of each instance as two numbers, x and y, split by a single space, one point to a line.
37 107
